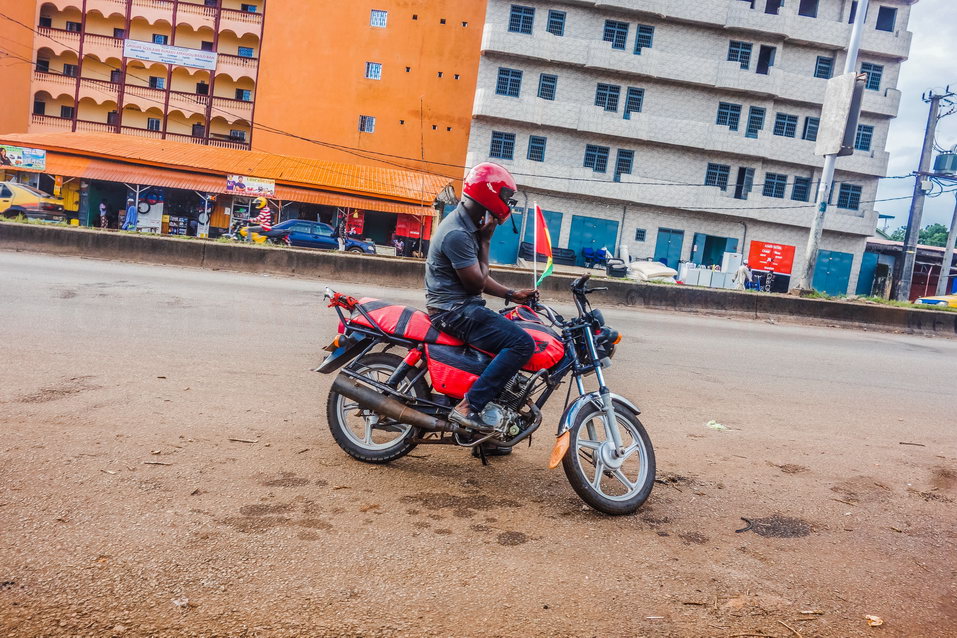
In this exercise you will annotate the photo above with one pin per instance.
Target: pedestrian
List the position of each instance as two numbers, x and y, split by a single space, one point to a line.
742 277
132 215
341 230
104 214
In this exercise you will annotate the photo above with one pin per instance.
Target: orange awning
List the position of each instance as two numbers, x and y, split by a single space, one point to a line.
290 194
70 166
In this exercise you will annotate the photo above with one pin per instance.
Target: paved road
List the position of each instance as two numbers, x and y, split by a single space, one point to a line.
107 366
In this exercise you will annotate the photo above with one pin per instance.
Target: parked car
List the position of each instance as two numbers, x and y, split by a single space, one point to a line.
20 199
944 300
309 234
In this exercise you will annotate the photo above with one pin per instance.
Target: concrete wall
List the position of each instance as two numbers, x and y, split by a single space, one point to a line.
408 273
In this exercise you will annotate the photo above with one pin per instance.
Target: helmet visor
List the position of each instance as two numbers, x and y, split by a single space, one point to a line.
507 195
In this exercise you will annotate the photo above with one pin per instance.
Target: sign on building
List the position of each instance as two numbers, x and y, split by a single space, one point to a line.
250 186
767 256
24 159
166 54
839 115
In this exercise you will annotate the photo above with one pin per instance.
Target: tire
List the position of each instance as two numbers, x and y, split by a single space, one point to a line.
612 496
380 365
354 250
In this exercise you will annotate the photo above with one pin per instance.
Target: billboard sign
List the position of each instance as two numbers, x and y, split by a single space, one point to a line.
166 54
22 159
767 256
250 186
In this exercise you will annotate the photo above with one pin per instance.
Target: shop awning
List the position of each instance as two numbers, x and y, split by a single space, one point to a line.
69 166
289 194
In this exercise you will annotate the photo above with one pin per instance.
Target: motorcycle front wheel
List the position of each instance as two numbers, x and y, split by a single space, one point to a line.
611 483
361 433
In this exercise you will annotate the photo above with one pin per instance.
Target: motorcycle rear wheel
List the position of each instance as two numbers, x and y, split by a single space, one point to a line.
611 485
361 434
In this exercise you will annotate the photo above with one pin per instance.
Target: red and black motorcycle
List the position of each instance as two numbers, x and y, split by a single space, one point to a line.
400 378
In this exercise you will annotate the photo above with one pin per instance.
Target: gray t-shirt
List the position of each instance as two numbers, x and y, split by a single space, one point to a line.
454 246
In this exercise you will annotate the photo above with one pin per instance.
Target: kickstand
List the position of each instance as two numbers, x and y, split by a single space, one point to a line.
481 451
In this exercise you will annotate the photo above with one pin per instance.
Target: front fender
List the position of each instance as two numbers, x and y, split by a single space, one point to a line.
571 413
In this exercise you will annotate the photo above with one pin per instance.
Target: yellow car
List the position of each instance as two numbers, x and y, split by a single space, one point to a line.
20 199
944 300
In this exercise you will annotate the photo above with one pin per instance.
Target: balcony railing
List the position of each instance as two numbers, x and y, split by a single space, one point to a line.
234 144
40 123
142 132
96 127
59 40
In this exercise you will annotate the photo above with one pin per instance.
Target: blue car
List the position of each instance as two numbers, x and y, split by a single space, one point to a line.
308 234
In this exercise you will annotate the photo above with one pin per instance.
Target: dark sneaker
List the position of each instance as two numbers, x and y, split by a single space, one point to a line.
473 421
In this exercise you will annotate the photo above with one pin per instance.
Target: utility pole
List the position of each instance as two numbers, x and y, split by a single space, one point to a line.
906 269
830 160
948 254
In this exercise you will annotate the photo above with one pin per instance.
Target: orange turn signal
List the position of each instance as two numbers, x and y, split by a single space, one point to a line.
559 451
617 339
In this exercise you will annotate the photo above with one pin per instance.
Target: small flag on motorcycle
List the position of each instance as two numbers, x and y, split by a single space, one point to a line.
543 245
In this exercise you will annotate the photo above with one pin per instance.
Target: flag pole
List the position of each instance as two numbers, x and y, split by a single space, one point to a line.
534 246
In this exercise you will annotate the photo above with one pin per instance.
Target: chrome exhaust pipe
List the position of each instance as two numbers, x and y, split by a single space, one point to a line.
387 406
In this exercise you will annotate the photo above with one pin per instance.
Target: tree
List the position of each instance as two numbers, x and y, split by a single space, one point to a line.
930 235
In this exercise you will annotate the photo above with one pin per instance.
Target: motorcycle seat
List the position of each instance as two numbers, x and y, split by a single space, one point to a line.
402 321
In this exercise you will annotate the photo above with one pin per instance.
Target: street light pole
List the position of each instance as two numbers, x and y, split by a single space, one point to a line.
830 160
948 254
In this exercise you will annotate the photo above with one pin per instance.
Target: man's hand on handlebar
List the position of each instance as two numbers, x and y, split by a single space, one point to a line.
528 295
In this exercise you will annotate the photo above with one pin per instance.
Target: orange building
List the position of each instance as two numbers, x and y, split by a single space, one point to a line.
384 83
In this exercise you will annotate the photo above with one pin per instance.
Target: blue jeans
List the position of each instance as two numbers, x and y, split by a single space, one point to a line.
489 332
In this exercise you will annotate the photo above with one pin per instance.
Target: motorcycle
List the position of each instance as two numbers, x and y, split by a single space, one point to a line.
383 404
240 232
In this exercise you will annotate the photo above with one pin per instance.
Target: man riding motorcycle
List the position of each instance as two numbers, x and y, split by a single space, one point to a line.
263 221
456 275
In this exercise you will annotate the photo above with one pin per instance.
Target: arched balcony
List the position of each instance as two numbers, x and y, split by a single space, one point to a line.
142 122
97 117
102 70
227 133
147 30
185 128
234 98
52 112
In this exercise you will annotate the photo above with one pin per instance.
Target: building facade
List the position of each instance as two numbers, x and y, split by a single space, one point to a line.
679 130
386 83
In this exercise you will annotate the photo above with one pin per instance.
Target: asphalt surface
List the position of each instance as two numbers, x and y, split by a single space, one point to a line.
125 508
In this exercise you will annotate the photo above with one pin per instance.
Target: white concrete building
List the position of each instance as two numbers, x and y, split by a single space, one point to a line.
686 128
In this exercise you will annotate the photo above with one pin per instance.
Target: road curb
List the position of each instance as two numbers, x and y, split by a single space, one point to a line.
408 273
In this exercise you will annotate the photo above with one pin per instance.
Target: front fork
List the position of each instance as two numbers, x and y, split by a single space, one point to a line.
607 404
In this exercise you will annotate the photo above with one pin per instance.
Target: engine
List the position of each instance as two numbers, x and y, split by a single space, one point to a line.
503 413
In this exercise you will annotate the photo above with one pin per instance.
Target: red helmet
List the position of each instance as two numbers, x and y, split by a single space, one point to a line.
492 187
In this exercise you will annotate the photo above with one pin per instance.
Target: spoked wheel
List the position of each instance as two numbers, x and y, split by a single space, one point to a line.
363 434
611 483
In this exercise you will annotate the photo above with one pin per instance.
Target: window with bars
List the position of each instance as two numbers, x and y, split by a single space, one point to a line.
596 158
717 175
556 22
774 185
849 197
607 96
153 124
373 70
73 27
785 125
874 73
379 18
509 82
811 126
536 148
801 191
864 137
824 67
640 234
66 112
617 33
729 115
503 145
547 86
521 19
367 123
740 52
645 37
624 163
756 115
634 100
70 70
